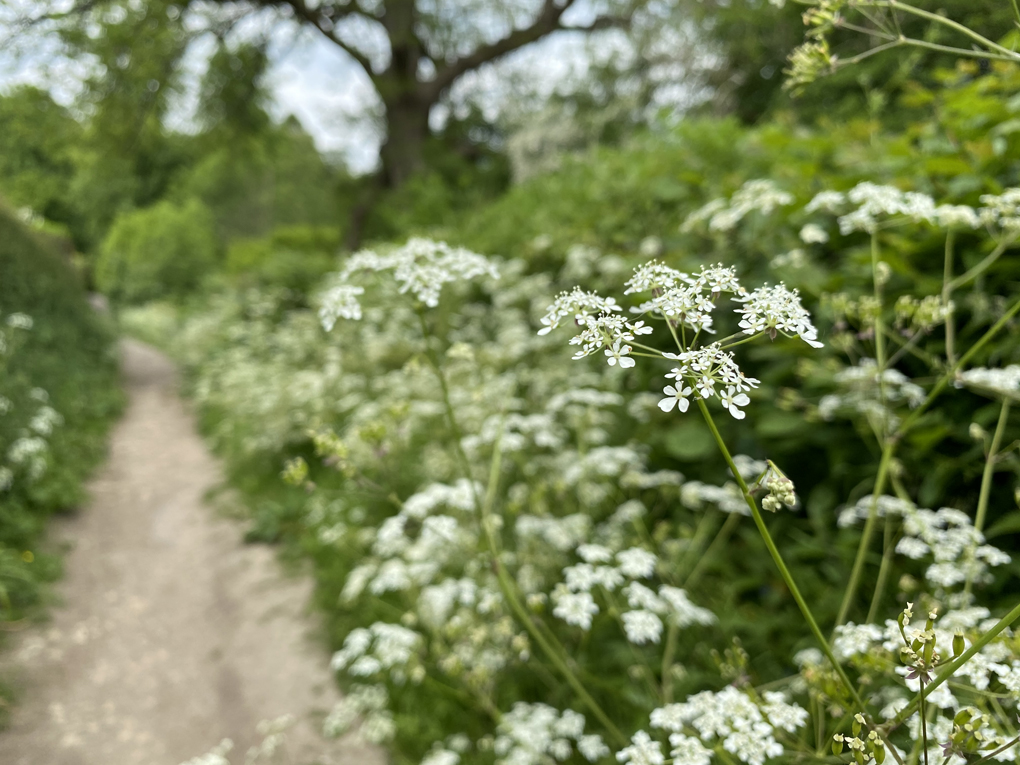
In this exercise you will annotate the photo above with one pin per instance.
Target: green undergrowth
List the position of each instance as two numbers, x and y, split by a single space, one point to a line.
264 376
65 364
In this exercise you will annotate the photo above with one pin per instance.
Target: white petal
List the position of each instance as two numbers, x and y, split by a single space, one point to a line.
667 404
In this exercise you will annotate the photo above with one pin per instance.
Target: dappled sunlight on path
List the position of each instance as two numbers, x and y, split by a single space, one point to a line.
172 634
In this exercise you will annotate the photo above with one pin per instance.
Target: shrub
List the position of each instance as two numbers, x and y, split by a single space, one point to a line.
292 257
58 395
161 251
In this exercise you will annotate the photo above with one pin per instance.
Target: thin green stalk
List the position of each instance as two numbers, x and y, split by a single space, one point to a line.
508 589
695 546
980 268
883 571
880 357
869 528
950 669
955 25
667 663
1008 744
947 292
960 363
778 558
986 476
723 535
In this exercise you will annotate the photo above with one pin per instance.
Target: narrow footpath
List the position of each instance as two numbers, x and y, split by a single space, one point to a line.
171 634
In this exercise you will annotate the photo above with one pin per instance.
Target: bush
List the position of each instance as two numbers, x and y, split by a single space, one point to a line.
292 257
162 251
58 395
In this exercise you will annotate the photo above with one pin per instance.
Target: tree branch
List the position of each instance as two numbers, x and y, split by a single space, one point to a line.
326 24
548 20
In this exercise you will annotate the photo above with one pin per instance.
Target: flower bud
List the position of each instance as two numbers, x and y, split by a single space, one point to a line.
959 644
837 744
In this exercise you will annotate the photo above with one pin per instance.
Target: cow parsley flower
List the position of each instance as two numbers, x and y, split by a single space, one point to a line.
681 611
689 750
642 626
636 563
1004 381
760 195
618 355
812 233
642 751
956 216
576 609
576 305
776 310
1002 210
340 302
532 734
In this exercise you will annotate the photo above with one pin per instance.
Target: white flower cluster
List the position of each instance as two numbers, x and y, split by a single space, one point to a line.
761 195
215 756
577 306
411 547
420 267
865 392
685 300
873 201
1002 210
367 702
777 310
535 734
746 727
947 536
377 649
706 368
576 605
1004 381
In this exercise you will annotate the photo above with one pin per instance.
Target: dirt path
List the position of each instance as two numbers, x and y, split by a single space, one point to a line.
173 634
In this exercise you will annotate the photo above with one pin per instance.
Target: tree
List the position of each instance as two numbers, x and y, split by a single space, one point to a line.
431 45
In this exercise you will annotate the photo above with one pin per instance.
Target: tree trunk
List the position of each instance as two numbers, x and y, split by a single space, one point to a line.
407 128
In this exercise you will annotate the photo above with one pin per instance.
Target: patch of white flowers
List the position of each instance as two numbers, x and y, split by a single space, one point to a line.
760 195
685 301
420 267
532 734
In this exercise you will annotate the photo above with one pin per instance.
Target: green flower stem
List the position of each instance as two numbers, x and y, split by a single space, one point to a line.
1005 746
981 267
960 364
986 476
883 571
943 20
555 653
667 663
695 547
888 450
955 664
869 528
880 329
947 292
778 558
721 538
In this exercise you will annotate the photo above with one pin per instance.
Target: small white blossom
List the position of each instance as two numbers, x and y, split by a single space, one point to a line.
642 751
642 626
636 563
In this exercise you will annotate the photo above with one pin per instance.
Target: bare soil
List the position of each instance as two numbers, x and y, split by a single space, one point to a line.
172 633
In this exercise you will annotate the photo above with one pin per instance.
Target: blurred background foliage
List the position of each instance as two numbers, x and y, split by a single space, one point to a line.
65 361
231 226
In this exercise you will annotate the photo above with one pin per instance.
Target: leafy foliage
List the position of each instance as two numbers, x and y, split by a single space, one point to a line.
65 363
164 250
